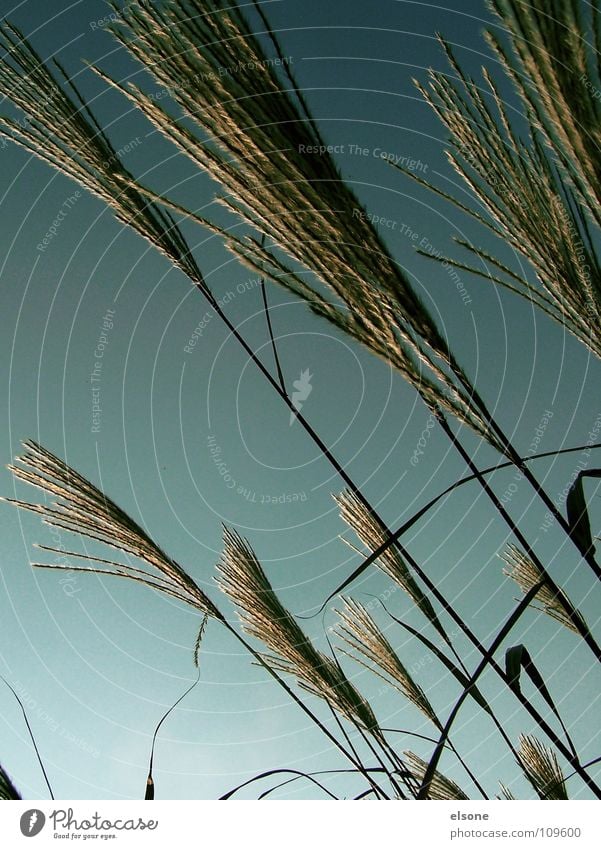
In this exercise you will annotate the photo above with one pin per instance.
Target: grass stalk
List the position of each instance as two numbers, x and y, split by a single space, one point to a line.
577 620
519 463
356 762
484 663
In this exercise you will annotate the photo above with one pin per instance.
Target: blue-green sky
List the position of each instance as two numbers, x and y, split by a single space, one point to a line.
97 660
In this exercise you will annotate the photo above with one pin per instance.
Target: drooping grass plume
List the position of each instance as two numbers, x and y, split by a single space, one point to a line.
540 196
247 129
8 791
262 151
60 129
80 508
256 139
552 601
441 787
541 768
372 534
553 62
243 580
371 648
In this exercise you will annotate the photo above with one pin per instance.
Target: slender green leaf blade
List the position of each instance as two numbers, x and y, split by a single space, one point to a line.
578 518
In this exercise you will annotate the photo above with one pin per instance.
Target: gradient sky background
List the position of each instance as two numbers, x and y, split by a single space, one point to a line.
98 661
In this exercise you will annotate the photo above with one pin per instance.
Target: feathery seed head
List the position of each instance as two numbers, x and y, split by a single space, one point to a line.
541 768
555 603
80 508
441 787
254 135
360 632
372 534
263 616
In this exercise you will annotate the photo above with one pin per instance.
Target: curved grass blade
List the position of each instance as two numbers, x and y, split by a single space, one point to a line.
358 629
33 740
578 518
149 793
438 653
394 537
308 776
298 773
585 766
488 660
518 658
